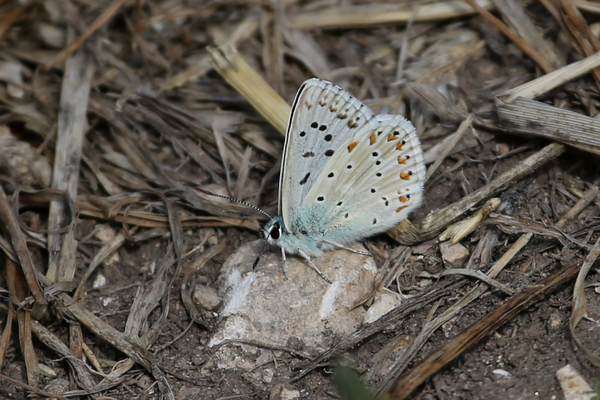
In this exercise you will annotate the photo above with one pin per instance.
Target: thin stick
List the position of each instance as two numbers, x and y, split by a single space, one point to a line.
75 44
456 137
460 343
530 51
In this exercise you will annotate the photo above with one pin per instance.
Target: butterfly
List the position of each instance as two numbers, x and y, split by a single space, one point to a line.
346 173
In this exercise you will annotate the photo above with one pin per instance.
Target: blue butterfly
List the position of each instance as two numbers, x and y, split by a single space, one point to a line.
346 173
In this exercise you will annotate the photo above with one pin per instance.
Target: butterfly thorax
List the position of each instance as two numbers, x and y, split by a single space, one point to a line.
277 235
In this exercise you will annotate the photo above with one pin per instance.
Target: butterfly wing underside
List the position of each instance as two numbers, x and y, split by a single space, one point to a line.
347 173
323 117
379 180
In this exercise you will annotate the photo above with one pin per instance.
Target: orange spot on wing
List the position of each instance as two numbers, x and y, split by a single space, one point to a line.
399 146
401 208
401 160
373 138
392 137
403 199
352 146
405 176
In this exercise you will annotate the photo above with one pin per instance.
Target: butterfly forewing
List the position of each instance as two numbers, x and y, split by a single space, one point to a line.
324 117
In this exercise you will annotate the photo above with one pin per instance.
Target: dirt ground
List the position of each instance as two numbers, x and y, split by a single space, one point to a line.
171 128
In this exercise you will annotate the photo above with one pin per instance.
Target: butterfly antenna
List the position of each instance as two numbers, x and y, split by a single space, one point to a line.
235 200
260 255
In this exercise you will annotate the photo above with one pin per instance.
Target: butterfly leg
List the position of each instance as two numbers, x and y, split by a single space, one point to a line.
341 246
284 265
313 266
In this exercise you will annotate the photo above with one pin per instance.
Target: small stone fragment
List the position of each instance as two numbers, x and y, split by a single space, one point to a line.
502 373
280 392
573 385
384 302
555 321
105 233
206 297
453 255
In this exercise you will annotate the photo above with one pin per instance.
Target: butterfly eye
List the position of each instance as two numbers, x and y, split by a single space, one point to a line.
275 232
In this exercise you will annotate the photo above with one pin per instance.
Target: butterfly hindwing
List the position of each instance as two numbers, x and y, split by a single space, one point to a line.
377 181
346 172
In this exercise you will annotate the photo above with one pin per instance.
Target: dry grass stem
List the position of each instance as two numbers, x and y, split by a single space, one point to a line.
548 82
479 276
456 137
377 14
588 6
526 47
239 74
461 229
78 42
535 118
580 309
520 114
242 32
520 22
579 32
79 71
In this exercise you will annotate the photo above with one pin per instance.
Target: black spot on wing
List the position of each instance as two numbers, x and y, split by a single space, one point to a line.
305 179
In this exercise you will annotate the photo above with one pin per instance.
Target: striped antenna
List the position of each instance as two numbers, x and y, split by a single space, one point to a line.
233 199
260 255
